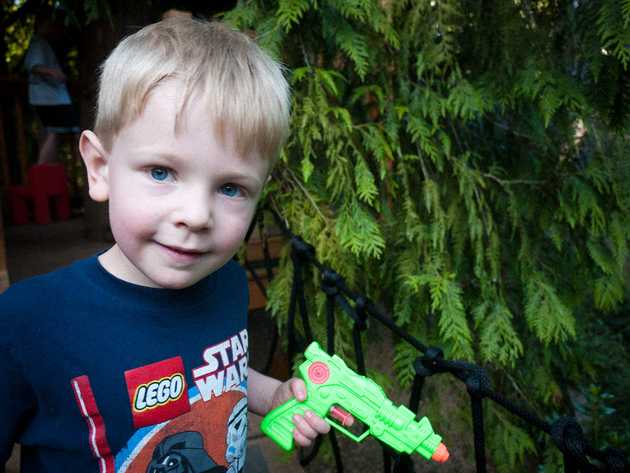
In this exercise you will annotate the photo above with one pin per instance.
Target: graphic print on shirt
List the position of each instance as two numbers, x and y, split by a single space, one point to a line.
208 434
157 392
225 366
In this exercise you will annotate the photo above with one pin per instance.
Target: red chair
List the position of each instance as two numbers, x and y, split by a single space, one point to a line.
46 183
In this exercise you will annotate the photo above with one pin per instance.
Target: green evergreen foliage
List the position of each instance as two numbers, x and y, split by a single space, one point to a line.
16 38
467 164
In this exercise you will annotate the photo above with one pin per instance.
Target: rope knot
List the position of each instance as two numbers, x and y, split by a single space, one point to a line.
431 360
420 368
330 282
360 305
568 436
477 382
301 249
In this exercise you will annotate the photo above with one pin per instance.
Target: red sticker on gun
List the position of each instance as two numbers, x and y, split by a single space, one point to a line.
318 372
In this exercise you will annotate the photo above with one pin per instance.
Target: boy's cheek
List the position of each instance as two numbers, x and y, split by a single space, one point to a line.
234 231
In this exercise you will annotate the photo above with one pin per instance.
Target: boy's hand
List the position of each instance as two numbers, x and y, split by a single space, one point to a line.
308 426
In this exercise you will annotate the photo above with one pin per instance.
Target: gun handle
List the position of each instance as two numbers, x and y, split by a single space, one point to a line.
278 423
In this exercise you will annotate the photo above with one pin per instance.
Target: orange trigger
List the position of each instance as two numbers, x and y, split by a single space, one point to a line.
343 416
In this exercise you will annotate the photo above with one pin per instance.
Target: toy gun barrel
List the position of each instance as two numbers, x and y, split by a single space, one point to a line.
334 392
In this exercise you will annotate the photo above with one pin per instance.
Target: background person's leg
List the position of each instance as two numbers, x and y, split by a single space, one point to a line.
48 148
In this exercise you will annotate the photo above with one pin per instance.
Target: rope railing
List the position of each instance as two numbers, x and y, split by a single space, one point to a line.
565 432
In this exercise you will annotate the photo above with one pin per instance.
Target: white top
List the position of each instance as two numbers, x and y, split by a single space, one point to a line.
44 90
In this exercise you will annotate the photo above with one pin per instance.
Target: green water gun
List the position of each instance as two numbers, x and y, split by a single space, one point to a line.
338 394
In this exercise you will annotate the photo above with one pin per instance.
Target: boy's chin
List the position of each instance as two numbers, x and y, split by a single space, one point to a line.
166 276
178 281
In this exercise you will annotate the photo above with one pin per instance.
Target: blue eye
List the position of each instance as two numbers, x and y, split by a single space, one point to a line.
230 190
159 174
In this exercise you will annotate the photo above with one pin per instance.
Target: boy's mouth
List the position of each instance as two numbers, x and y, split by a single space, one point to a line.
183 252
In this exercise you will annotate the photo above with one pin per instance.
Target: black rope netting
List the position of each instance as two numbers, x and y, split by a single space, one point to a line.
565 432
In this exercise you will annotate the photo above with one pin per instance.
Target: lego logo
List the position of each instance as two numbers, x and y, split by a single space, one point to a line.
158 393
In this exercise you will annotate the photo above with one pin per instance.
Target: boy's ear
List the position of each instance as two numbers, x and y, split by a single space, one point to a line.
96 162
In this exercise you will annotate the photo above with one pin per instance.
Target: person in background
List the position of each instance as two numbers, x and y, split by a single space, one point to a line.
47 91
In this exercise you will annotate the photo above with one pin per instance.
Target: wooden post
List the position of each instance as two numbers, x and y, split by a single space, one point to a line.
13 132
4 156
4 273
95 42
21 140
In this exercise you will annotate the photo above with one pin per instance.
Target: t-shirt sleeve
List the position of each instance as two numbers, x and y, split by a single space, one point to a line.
16 395
14 405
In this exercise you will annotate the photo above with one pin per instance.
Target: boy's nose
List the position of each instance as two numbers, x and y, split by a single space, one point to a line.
196 214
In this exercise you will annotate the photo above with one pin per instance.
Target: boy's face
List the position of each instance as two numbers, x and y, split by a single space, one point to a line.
179 203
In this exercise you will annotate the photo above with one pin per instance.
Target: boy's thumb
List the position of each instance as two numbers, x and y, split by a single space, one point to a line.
298 388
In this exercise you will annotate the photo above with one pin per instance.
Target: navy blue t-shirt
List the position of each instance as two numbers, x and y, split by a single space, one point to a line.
100 375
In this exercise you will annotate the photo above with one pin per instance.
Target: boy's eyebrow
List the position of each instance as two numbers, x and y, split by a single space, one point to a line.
242 176
161 155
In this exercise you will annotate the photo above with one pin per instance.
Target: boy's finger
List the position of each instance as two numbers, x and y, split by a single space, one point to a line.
316 422
300 439
298 388
304 427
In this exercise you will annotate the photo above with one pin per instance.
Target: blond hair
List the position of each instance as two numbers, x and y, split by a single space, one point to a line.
243 89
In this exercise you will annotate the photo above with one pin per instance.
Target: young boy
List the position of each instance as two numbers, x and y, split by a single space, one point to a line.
135 360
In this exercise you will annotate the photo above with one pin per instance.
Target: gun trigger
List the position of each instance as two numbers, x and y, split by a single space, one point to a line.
343 416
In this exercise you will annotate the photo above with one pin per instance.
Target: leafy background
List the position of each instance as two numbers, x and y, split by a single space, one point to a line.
466 163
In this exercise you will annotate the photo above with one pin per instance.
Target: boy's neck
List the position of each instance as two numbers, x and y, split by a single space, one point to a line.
117 264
